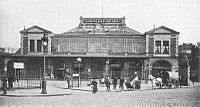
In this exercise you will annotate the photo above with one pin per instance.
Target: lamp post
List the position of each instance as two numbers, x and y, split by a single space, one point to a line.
188 70
79 70
45 44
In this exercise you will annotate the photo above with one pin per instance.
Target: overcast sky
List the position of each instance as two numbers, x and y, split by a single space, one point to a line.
60 16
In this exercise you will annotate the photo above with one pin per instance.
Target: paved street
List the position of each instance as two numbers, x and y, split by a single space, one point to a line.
159 97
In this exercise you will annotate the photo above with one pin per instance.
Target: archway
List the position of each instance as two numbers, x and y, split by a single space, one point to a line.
135 66
59 69
159 66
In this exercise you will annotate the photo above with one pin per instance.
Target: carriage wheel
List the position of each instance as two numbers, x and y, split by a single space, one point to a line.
170 85
176 83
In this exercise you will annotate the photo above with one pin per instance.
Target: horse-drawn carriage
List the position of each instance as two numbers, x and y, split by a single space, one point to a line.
167 79
170 79
133 83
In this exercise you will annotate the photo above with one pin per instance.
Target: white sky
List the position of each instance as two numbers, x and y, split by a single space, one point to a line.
60 16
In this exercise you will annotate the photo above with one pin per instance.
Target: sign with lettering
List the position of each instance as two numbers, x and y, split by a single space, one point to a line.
75 75
102 21
18 65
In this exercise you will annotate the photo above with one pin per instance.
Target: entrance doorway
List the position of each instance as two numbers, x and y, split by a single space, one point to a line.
135 66
160 66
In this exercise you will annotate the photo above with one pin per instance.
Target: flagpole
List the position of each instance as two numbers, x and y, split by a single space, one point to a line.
102 7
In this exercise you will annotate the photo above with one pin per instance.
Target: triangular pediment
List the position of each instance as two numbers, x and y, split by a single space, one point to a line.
35 29
162 31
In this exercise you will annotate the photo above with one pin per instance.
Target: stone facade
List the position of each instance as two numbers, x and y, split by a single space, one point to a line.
105 45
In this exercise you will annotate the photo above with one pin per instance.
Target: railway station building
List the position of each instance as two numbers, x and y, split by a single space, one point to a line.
106 46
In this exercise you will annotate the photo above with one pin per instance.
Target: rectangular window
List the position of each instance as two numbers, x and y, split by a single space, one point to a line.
158 47
32 45
166 47
39 46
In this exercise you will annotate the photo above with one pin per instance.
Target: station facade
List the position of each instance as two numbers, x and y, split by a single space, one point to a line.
106 46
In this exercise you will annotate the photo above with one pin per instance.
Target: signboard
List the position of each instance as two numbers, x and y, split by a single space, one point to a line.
75 75
18 65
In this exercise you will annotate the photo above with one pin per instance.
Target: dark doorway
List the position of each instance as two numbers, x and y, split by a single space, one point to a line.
135 66
160 66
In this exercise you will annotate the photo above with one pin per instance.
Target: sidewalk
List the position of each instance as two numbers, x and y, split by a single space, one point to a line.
59 88
36 92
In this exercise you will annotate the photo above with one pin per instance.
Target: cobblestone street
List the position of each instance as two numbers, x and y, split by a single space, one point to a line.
159 97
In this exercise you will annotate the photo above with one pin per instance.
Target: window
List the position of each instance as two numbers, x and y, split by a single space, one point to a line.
158 47
32 45
166 47
39 45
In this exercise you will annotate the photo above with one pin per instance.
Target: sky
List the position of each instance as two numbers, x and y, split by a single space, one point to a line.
60 16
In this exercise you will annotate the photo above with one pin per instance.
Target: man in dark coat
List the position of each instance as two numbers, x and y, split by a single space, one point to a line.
68 78
114 83
10 82
121 82
94 86
107 82
4 85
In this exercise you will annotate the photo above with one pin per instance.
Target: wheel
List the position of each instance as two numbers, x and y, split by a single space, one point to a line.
170 85
137 85
176 83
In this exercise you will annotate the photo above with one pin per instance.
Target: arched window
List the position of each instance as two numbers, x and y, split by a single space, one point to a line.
135 66
160 66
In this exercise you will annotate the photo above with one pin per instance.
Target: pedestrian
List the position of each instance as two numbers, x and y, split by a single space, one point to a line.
93 84
4 85
114 83
10 82
121 83
107 82
68 78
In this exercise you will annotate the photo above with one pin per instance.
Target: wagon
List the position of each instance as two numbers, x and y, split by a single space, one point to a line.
133 83
170 79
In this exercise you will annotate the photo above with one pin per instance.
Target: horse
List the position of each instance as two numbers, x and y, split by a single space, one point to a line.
155 81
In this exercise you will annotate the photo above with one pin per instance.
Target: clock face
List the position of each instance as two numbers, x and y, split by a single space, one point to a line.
98 26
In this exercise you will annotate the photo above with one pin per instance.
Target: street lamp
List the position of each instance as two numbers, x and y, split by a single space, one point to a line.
45 44
79 70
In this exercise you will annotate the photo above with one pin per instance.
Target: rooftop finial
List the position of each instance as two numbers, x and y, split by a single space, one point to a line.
102 7
24 27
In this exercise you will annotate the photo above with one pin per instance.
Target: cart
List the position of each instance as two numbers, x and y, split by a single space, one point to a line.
133 83
170 79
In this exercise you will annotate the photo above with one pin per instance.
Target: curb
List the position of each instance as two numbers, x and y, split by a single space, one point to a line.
37 95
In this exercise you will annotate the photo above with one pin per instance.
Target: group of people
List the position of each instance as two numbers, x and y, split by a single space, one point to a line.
107 81
114 82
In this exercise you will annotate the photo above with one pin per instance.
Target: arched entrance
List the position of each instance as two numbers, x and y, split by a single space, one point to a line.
160 66
135 66
59 67
115 69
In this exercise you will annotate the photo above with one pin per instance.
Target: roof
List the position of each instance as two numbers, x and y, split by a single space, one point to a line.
18 51
162 30
100 27
35 28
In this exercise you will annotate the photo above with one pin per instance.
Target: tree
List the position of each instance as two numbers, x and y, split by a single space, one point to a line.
194 63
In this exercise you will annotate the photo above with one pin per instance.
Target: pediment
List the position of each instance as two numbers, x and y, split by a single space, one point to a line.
162 31
35 30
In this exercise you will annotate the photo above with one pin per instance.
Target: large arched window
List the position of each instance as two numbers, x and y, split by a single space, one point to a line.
160 66
135 66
